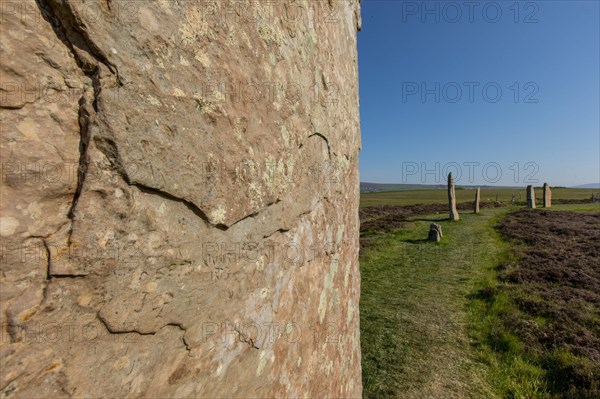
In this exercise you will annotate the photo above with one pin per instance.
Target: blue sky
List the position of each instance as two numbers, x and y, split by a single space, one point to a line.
500 94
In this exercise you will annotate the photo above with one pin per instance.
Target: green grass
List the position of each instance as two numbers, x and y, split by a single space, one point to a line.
414 310
517 371
408 197
431 314
511 374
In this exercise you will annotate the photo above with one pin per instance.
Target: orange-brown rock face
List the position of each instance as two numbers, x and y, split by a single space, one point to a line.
179 199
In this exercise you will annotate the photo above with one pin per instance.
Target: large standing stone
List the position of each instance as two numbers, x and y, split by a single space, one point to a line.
547 196
530 197
477 200
435 232
179 199
452 198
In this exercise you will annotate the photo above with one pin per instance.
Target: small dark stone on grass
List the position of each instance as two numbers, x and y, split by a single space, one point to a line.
435 232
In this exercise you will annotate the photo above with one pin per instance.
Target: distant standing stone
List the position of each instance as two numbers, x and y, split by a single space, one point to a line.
547 196
435 232
496 197
530 197
477 200
452 198
513 199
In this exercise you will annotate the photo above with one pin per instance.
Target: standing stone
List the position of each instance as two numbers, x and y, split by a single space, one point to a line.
530 197
513 199
144 275
547 196
452 198
435 232
497 196
477 200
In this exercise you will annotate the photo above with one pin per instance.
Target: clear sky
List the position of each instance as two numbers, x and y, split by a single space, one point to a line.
480 88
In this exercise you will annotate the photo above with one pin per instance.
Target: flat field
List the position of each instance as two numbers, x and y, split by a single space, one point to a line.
408 197
505 306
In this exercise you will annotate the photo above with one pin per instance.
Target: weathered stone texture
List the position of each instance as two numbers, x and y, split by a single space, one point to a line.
547 196
530 197
477 200
179 199
452 198
435 232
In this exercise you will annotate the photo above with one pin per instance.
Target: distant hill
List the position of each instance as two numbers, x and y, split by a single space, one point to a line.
379 187
366 187
590 185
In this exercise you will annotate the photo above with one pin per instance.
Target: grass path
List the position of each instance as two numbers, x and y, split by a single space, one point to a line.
414 309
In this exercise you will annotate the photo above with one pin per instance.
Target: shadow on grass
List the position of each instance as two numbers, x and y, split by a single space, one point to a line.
419 241
485 294
430 220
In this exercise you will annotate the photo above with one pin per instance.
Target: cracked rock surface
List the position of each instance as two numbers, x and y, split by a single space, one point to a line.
179 199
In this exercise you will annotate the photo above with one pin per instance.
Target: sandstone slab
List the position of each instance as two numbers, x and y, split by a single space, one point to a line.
477 200
452 198
547 196
530 197
179 199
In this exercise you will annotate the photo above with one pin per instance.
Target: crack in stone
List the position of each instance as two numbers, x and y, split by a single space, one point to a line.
245 338
194 208
308 212
326 141
48 263
281 230
66 276
62 15
190 205
134 331
44 240
255 214
84 133
109 148
66 27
